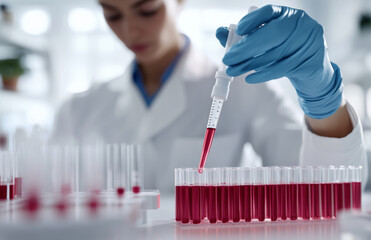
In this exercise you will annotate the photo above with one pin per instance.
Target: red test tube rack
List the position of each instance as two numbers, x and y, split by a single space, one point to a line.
265 193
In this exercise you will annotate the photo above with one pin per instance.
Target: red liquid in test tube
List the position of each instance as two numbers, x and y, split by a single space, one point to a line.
246 202
293 200
304 201
326 192
234 203
347 195
315 201
356 193
178 209
211 206
284 199
338 197
3 192
185 196
259 202
204 200
209 136
273 201
195 195
222 202
136 189
18 186
120 191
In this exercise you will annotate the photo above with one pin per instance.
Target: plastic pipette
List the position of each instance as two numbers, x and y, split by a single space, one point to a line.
219 95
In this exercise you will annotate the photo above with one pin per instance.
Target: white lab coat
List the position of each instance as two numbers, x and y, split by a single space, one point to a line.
172 129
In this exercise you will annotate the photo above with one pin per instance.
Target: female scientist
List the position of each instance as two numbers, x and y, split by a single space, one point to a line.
163 99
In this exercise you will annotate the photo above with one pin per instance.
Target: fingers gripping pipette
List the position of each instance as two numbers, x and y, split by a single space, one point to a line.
219 94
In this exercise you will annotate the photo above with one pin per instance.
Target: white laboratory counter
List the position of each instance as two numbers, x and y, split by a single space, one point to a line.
161 225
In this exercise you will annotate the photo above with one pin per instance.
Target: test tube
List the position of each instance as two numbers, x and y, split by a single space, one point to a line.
348 188
356 187
304 192
260 177
315 192
18 170
339 190
212 178
195 182
293 192
284 189
204 193
135 167
246 193
119 155
7 184
222 195
185 195
274 193
327 192
178 214
234 194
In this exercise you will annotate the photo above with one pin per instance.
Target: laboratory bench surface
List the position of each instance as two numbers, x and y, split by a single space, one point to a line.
161 225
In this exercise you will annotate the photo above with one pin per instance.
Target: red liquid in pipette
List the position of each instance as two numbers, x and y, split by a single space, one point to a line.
209 136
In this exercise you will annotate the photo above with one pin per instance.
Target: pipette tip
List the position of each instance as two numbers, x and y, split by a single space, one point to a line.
200 170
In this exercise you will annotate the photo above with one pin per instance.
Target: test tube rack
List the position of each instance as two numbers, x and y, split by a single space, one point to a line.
265 193
60 179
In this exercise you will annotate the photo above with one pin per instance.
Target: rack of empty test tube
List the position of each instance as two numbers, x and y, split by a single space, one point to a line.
265 193
38 175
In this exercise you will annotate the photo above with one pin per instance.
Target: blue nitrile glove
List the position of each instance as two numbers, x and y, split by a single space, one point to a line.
289 44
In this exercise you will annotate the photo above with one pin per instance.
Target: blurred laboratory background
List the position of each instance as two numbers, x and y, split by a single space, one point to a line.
51 49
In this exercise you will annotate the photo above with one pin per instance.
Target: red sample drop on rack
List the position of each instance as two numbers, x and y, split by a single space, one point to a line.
136 189
120 191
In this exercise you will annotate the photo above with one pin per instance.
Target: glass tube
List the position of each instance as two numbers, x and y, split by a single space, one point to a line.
222 195
275 193
315 190
306 179
348 188
212 194
356 187
284 188
246 193
234 194
135 168
339 190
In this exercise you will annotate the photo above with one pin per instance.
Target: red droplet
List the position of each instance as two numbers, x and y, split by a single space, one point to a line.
61 206
31 204
93 204
120 191
136 189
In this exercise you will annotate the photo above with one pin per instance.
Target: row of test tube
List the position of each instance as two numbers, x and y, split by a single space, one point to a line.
63 171
265 193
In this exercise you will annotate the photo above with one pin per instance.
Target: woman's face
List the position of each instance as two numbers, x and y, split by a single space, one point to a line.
146 27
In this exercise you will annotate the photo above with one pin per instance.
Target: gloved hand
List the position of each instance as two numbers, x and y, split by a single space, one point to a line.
289 44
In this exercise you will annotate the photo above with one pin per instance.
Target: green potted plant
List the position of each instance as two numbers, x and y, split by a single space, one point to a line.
10 70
